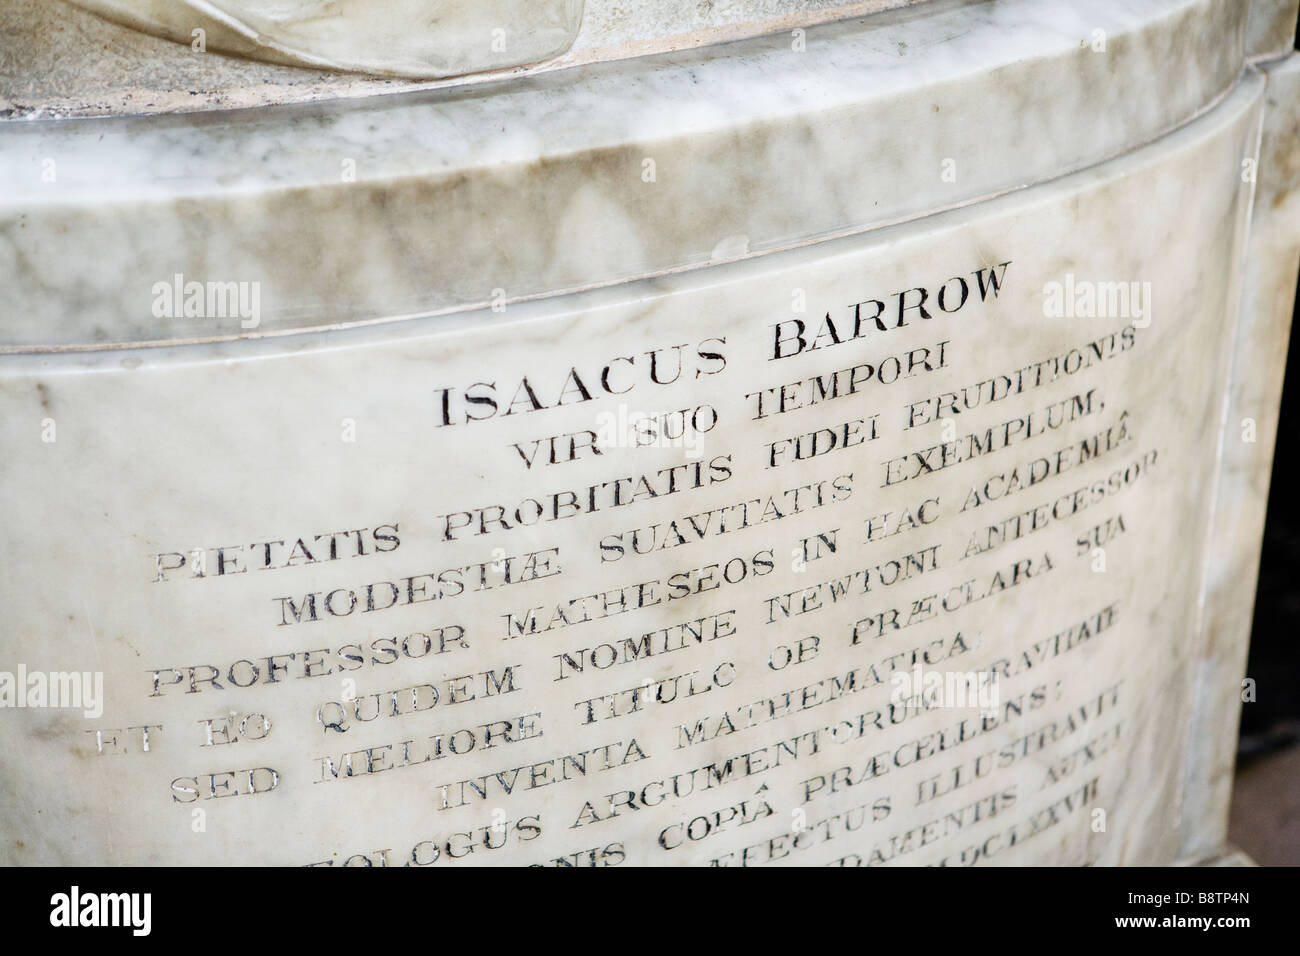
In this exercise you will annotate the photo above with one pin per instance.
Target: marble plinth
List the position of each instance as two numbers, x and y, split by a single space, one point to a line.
860 463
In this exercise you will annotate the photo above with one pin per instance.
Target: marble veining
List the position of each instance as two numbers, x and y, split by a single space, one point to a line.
419 38
58 60
449 200
230 433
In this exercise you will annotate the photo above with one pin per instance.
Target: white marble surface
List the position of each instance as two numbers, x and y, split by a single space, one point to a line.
1271 27
449 200
419 38
56 59
248 441
414 254
1251 411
